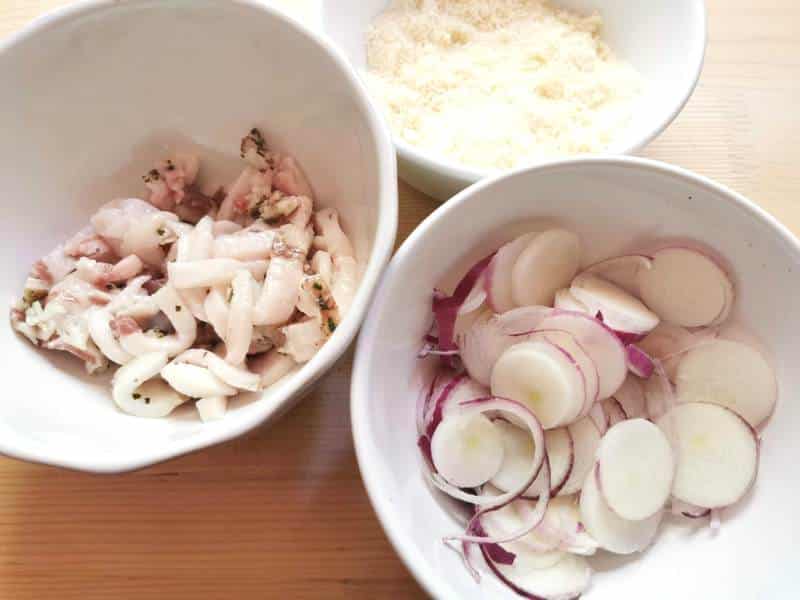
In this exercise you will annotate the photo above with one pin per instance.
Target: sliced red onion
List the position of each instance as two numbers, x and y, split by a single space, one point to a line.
529 420
445 308
476 298
535 518
629 338
667 393
523 320
639 363
424 444
481 345
435 414
424 402
495 551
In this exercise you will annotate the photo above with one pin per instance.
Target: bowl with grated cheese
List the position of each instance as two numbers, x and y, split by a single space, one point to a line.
471 88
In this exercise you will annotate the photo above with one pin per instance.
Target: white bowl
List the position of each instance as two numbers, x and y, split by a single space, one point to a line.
92 96
664 39
612 202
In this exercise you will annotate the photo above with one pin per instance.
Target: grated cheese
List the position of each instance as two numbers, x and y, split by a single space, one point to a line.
500 83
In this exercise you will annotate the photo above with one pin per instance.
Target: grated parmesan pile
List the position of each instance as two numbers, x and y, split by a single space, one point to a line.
495 84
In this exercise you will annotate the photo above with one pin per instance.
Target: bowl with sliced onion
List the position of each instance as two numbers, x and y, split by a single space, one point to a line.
576 379
200 200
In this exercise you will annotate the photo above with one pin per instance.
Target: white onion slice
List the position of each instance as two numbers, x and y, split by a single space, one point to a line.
585 441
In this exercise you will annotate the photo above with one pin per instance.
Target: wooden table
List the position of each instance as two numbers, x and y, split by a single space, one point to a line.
282 512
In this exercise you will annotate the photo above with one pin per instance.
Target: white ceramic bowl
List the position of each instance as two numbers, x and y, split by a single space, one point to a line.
612 202
92 96
664 39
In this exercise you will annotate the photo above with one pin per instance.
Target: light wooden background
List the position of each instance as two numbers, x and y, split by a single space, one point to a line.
282 512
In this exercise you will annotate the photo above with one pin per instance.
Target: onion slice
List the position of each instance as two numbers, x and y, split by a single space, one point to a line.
529 420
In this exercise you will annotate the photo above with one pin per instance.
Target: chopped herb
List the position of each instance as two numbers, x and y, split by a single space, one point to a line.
170 166
230 294
177 308
147 400
157 332
317 285
255 212
136 396
331 325
161 231
152 175
323 304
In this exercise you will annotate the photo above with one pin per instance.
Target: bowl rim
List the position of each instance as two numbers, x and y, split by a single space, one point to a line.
360 397
454 170
382 245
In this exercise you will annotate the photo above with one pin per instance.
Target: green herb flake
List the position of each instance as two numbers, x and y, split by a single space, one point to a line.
136 396
161 231
317 286
147 400
331 325
177 308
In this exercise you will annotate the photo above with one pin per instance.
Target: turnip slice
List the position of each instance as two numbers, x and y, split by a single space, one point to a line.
599 417
591 378
631 398
481 346
565 580
717 454
602 346
686 288
547 264
467 450
566 301
635 469
499 273
585 441
667 343
730 374
518 454
614 412
622 271
493 406
611 531
544 378
621 311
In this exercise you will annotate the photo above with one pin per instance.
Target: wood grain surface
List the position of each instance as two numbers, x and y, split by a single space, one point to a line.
282 513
